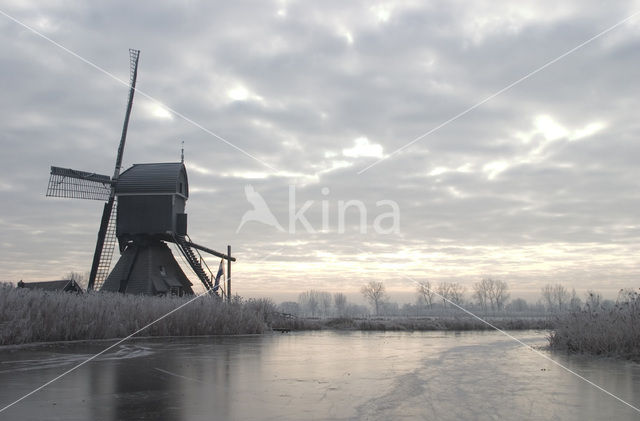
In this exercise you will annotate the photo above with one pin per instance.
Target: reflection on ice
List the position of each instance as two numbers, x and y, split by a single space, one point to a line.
323 375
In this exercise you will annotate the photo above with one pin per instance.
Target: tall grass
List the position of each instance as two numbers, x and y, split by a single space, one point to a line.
459 323
598 330
40 316
411 324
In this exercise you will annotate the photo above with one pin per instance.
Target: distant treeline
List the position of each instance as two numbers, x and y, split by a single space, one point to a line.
488 297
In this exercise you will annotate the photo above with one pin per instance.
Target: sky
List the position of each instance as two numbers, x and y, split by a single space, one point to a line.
481 139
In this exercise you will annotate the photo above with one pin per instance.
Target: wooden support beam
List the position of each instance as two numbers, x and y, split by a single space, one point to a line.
213 252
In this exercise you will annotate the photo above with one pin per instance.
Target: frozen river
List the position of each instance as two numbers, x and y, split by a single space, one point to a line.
316 375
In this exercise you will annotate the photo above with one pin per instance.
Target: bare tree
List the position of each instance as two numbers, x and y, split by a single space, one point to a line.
555 297
426 293
324 300
450 292
340 303
443 292
491 293
309 303
456 293
481 293
547 297
374 292
499 293
561 296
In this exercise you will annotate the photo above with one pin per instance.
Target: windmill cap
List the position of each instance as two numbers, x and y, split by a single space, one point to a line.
157 178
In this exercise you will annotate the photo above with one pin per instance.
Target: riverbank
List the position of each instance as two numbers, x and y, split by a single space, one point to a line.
30 316
459 322
604 331
38 316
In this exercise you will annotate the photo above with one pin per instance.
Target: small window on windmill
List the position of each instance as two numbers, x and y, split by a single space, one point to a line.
163 271
180 189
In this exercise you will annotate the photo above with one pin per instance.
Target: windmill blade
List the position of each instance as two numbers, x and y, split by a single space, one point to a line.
108 247
134 55
100 243
75 184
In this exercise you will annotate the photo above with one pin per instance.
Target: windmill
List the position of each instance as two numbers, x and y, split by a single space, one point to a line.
143 210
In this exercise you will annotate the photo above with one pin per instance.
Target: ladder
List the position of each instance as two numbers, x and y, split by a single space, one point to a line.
195 260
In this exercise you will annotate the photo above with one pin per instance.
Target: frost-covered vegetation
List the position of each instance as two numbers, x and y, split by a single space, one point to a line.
322 310
601 328
452 323
39 316
595 326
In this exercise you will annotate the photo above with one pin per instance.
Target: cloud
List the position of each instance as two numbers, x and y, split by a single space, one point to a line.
363 148
156 111
536 185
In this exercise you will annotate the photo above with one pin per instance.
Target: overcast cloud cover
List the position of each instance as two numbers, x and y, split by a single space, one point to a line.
538 185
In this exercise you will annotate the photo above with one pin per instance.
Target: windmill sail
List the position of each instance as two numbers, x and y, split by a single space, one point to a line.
134 55
100 256
74 184
108 247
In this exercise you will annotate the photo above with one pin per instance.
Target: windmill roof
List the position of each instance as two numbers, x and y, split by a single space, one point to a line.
159 178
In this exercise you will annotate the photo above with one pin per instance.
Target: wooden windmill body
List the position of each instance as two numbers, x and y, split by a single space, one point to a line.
144 210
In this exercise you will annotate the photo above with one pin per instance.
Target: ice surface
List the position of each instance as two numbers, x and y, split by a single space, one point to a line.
316 375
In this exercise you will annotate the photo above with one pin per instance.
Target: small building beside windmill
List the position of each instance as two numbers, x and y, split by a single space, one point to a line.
66 285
